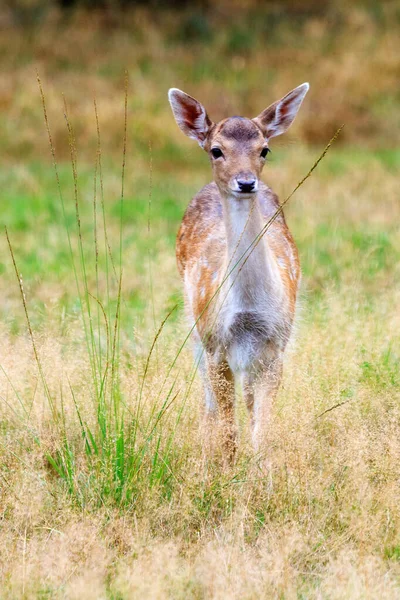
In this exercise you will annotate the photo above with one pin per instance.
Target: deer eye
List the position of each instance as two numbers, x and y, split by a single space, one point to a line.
216 152
264 152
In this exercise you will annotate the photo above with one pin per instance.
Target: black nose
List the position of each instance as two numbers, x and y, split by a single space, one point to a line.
246 186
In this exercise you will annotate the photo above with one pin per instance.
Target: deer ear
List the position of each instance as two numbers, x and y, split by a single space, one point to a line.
278 117
190 115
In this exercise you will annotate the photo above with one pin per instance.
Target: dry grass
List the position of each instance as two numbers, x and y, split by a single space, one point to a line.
330 529
135 510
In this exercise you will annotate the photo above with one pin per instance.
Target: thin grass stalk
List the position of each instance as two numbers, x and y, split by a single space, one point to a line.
55 167
149 249
102 409
245 255
117 323
112 353
117 330
249 250
108 252
84 429
123 170
115 344
27 413
158 333
104 376
141 453
32 432
60 194
282 205
154 405
96 256
32 338
92 344
65 451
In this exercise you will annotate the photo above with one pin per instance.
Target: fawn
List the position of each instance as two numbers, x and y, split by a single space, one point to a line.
240 296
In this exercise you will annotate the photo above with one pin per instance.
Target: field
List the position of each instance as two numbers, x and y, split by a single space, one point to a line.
105 491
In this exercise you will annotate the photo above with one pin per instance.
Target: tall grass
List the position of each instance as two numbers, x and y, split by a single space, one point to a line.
108 474
122 445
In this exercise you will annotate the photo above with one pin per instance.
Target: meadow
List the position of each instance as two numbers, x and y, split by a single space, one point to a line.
105 491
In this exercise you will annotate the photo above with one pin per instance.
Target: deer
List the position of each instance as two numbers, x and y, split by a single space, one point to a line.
239 265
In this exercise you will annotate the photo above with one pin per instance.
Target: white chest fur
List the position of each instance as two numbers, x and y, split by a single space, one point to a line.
252 303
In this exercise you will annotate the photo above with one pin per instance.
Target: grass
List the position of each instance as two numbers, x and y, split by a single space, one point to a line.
121 494
105 490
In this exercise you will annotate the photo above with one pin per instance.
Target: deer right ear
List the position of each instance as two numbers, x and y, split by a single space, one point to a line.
190 115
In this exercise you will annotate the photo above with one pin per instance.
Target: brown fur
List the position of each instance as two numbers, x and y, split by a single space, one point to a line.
202 234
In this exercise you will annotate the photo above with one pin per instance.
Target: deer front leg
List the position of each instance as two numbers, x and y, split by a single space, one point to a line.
259 391
201 362
223 385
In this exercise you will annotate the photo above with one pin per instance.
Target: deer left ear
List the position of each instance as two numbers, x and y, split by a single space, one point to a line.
278 117
190 115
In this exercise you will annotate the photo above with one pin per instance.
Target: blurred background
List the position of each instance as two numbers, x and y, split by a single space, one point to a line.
236 57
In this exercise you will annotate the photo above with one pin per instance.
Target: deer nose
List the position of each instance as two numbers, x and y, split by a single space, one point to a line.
247 185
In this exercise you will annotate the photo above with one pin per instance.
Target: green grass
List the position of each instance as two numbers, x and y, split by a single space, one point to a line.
34 217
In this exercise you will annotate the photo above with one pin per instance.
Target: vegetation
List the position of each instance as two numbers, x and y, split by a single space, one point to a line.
105 489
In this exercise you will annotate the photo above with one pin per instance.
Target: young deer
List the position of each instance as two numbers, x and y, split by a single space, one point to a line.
241 303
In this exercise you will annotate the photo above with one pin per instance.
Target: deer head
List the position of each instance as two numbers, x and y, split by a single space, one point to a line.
237 146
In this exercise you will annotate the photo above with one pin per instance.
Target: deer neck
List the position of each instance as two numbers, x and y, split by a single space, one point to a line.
253 274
